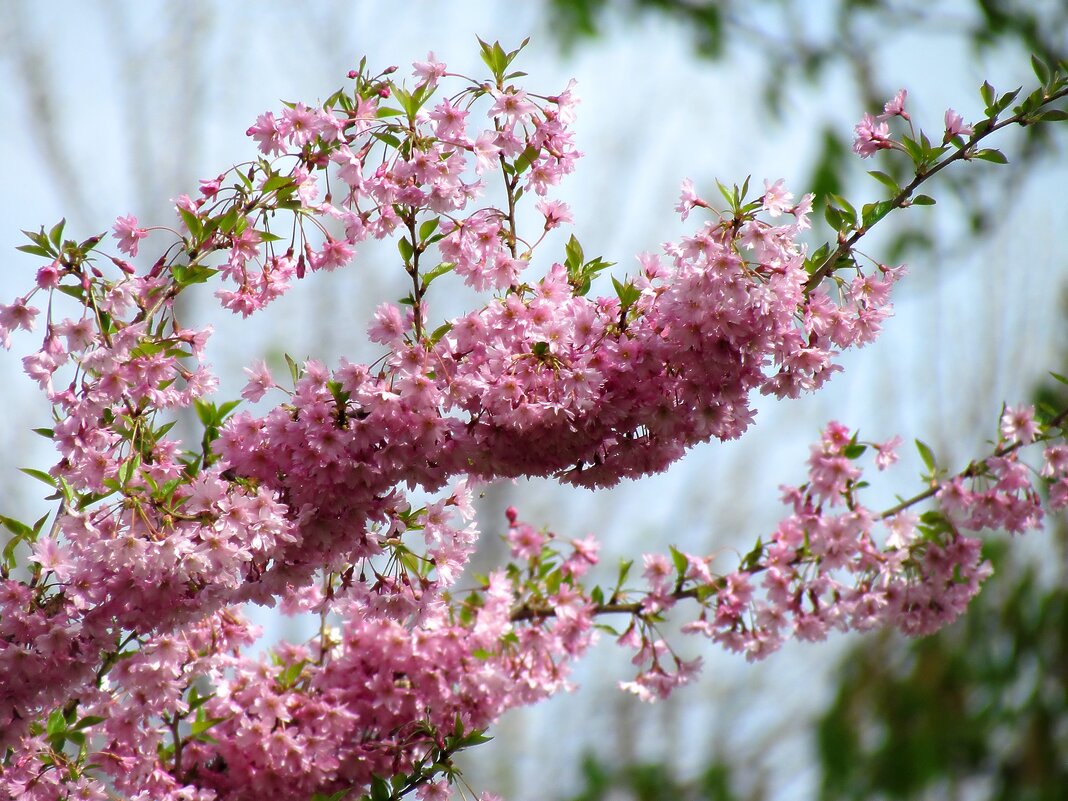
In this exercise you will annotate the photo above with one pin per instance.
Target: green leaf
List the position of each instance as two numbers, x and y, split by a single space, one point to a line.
409 101
914 149
9 552
818 257
624 570
845 208
429 227
992 155
17 527
1041 69
854 451
203 723
227 222
923 200
193 223
439 332
205 411
441 269
627 293
187 275
1053 115
1006 99
525 159
752 559
129 468
885 179
477 737
680 560
288 677
225 410
927 455
39 475
728 195
294 370
406 249
38 238
56 723
380 789
277 182
873 212
987 92
55 236
573 250
488 56
72 291
35 250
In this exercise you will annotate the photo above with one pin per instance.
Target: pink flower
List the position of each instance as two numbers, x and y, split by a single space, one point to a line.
688 199
48 277
1055 460
268 134
871 136
334 254
526 541
17 315
210 188
485 151
776 198
433 791
301 123
658 570
1018 424
450 121
51 556
128 234
388 326
902 528
566 102
955 125
1058 495
896 107
512 105
259 382
556 213
429 72
887 453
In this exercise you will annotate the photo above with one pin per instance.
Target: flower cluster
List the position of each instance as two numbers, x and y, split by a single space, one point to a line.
121 641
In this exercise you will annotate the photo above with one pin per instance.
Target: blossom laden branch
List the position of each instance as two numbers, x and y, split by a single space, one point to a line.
123 654
823 567
960 142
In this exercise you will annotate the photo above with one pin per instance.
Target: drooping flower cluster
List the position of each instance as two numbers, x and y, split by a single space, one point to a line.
121 641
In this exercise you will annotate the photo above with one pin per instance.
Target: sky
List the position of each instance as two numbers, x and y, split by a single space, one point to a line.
117 108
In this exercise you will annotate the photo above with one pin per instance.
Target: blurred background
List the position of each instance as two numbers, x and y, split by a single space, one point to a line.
115 108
